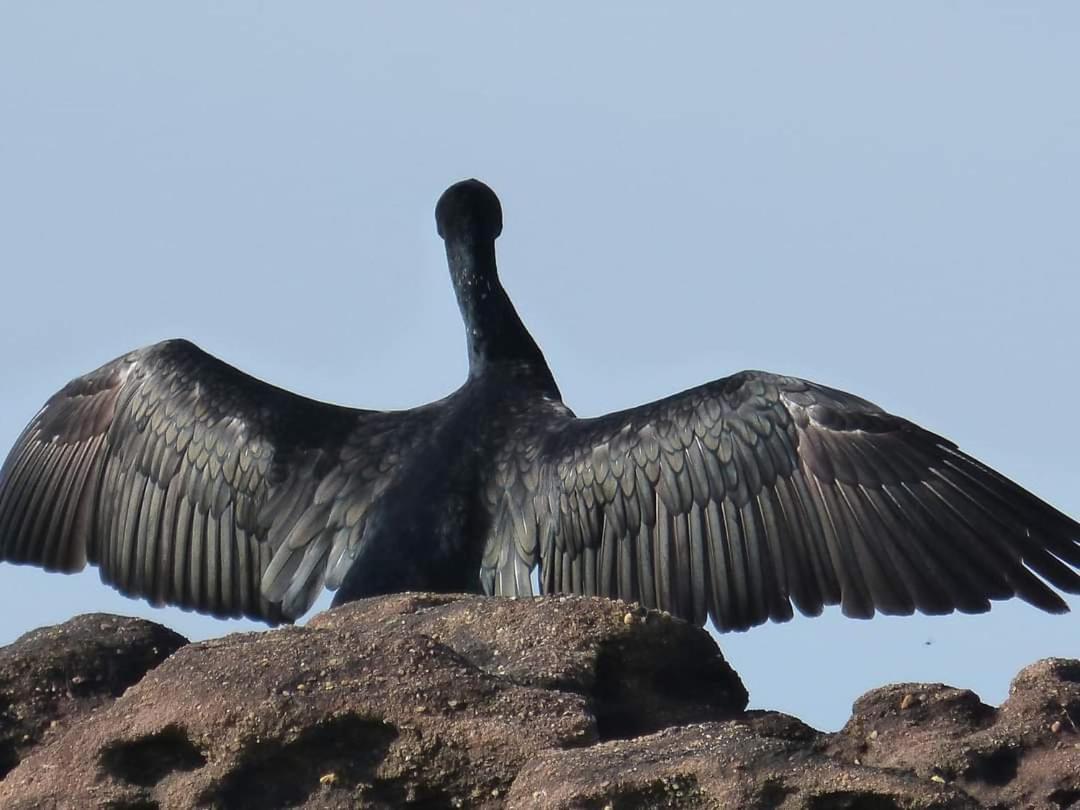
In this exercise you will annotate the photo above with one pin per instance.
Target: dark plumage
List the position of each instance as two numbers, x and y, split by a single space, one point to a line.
188 482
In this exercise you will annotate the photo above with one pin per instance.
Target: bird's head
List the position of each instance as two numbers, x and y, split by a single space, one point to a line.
468 211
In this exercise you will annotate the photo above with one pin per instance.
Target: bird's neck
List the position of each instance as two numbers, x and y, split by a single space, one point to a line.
494 332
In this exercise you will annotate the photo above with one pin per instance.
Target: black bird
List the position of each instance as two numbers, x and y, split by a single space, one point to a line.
189 482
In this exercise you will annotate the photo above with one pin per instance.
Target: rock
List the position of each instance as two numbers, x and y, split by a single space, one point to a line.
55 676
437 701
1005 757
431 700
638 677
759 762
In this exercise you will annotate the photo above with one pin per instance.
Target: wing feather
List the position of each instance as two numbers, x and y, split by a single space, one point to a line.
721 602
696 541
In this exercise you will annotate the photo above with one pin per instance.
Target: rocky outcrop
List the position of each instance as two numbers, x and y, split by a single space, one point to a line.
1024 754
440 701
53 677
761 761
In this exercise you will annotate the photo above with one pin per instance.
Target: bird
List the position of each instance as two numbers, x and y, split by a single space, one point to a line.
188 482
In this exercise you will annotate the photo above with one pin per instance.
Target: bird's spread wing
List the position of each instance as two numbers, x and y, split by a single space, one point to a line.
743 496
191 483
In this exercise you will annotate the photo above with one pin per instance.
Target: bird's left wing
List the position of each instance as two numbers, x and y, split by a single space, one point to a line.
191 483
740 497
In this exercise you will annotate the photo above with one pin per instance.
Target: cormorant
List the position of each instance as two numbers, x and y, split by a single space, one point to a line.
189 482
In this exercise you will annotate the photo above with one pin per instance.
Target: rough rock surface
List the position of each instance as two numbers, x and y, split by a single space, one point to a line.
438 701
765 760
1024 754
431 700
55 676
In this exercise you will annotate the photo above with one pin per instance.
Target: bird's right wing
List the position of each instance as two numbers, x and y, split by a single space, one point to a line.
741 496
191 483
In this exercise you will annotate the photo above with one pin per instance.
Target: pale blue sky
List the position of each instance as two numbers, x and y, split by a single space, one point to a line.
883 199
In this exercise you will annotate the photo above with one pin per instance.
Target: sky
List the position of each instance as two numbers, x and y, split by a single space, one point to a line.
879 197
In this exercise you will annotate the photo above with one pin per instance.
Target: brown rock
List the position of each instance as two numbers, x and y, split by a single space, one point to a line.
764 761
639 677
54 676
437 701
1005 757
431 700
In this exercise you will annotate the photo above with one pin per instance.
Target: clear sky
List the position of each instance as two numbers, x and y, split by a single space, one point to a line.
880 197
